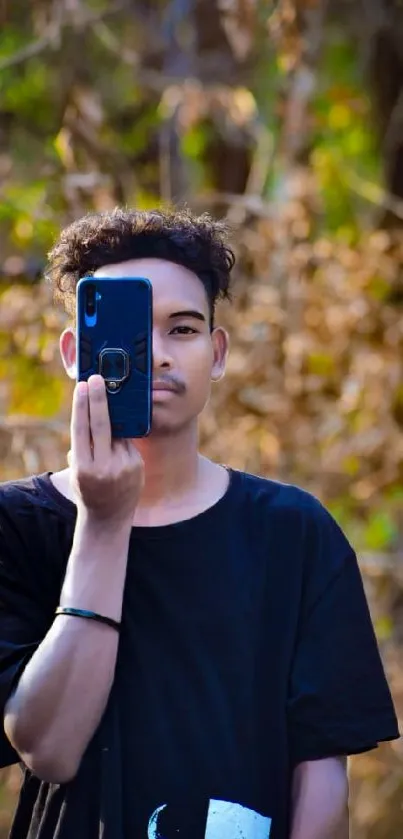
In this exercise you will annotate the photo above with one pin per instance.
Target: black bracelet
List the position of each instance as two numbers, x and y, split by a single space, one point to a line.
84 613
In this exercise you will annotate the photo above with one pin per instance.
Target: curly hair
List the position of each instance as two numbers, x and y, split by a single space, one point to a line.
199 243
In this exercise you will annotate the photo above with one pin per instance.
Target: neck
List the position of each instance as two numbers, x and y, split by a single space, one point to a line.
172 466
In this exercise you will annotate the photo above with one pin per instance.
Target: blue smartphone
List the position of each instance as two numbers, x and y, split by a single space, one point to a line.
114 339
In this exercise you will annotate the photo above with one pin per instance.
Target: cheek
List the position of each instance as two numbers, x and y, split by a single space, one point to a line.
197 365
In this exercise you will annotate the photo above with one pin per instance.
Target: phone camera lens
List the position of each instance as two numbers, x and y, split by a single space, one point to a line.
90 300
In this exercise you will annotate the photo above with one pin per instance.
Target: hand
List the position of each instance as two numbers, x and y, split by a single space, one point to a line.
107 475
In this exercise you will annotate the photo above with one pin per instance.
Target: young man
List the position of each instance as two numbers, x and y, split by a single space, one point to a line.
225 663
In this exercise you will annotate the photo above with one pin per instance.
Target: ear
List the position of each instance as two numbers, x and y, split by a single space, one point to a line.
220 344
67 346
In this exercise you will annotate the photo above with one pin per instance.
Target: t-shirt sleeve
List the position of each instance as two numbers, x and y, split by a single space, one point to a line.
339 699
22 615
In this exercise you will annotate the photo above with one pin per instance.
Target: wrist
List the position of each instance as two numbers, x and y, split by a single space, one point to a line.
91 526
98 543
96 570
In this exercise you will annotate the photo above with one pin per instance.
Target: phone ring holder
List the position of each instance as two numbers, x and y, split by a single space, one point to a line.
114 367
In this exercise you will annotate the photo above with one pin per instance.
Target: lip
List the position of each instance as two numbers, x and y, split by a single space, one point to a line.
163 386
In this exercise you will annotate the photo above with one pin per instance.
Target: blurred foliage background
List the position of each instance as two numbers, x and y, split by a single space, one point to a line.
286 118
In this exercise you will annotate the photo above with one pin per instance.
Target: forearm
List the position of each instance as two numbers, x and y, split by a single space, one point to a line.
320 800
63 691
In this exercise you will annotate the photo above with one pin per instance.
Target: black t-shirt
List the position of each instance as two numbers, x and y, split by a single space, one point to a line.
246 648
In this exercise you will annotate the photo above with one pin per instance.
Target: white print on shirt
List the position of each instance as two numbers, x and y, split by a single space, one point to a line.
152 830
225 820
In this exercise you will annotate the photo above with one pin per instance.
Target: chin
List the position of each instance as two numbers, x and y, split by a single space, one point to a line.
169 427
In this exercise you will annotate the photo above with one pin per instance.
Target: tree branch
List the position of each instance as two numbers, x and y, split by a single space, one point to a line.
51 38
48 41
375 194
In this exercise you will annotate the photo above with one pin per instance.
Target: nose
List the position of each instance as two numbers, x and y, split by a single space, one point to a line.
162 360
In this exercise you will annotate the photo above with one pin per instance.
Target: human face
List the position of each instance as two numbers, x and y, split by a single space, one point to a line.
186 355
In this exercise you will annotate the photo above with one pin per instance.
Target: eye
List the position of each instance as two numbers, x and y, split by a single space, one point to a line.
183 330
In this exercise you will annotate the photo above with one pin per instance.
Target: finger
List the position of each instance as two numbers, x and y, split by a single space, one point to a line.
80 425
119 447
123 445
100 425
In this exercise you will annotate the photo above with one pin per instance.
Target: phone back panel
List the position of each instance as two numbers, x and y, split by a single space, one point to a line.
117 343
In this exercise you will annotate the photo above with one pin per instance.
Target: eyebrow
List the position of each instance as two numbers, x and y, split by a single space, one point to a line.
188 313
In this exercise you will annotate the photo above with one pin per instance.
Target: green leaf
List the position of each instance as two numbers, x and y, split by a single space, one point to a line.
320 364
35 391
383 628
380 532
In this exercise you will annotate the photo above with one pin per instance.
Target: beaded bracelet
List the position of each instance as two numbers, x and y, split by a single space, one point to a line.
84 613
